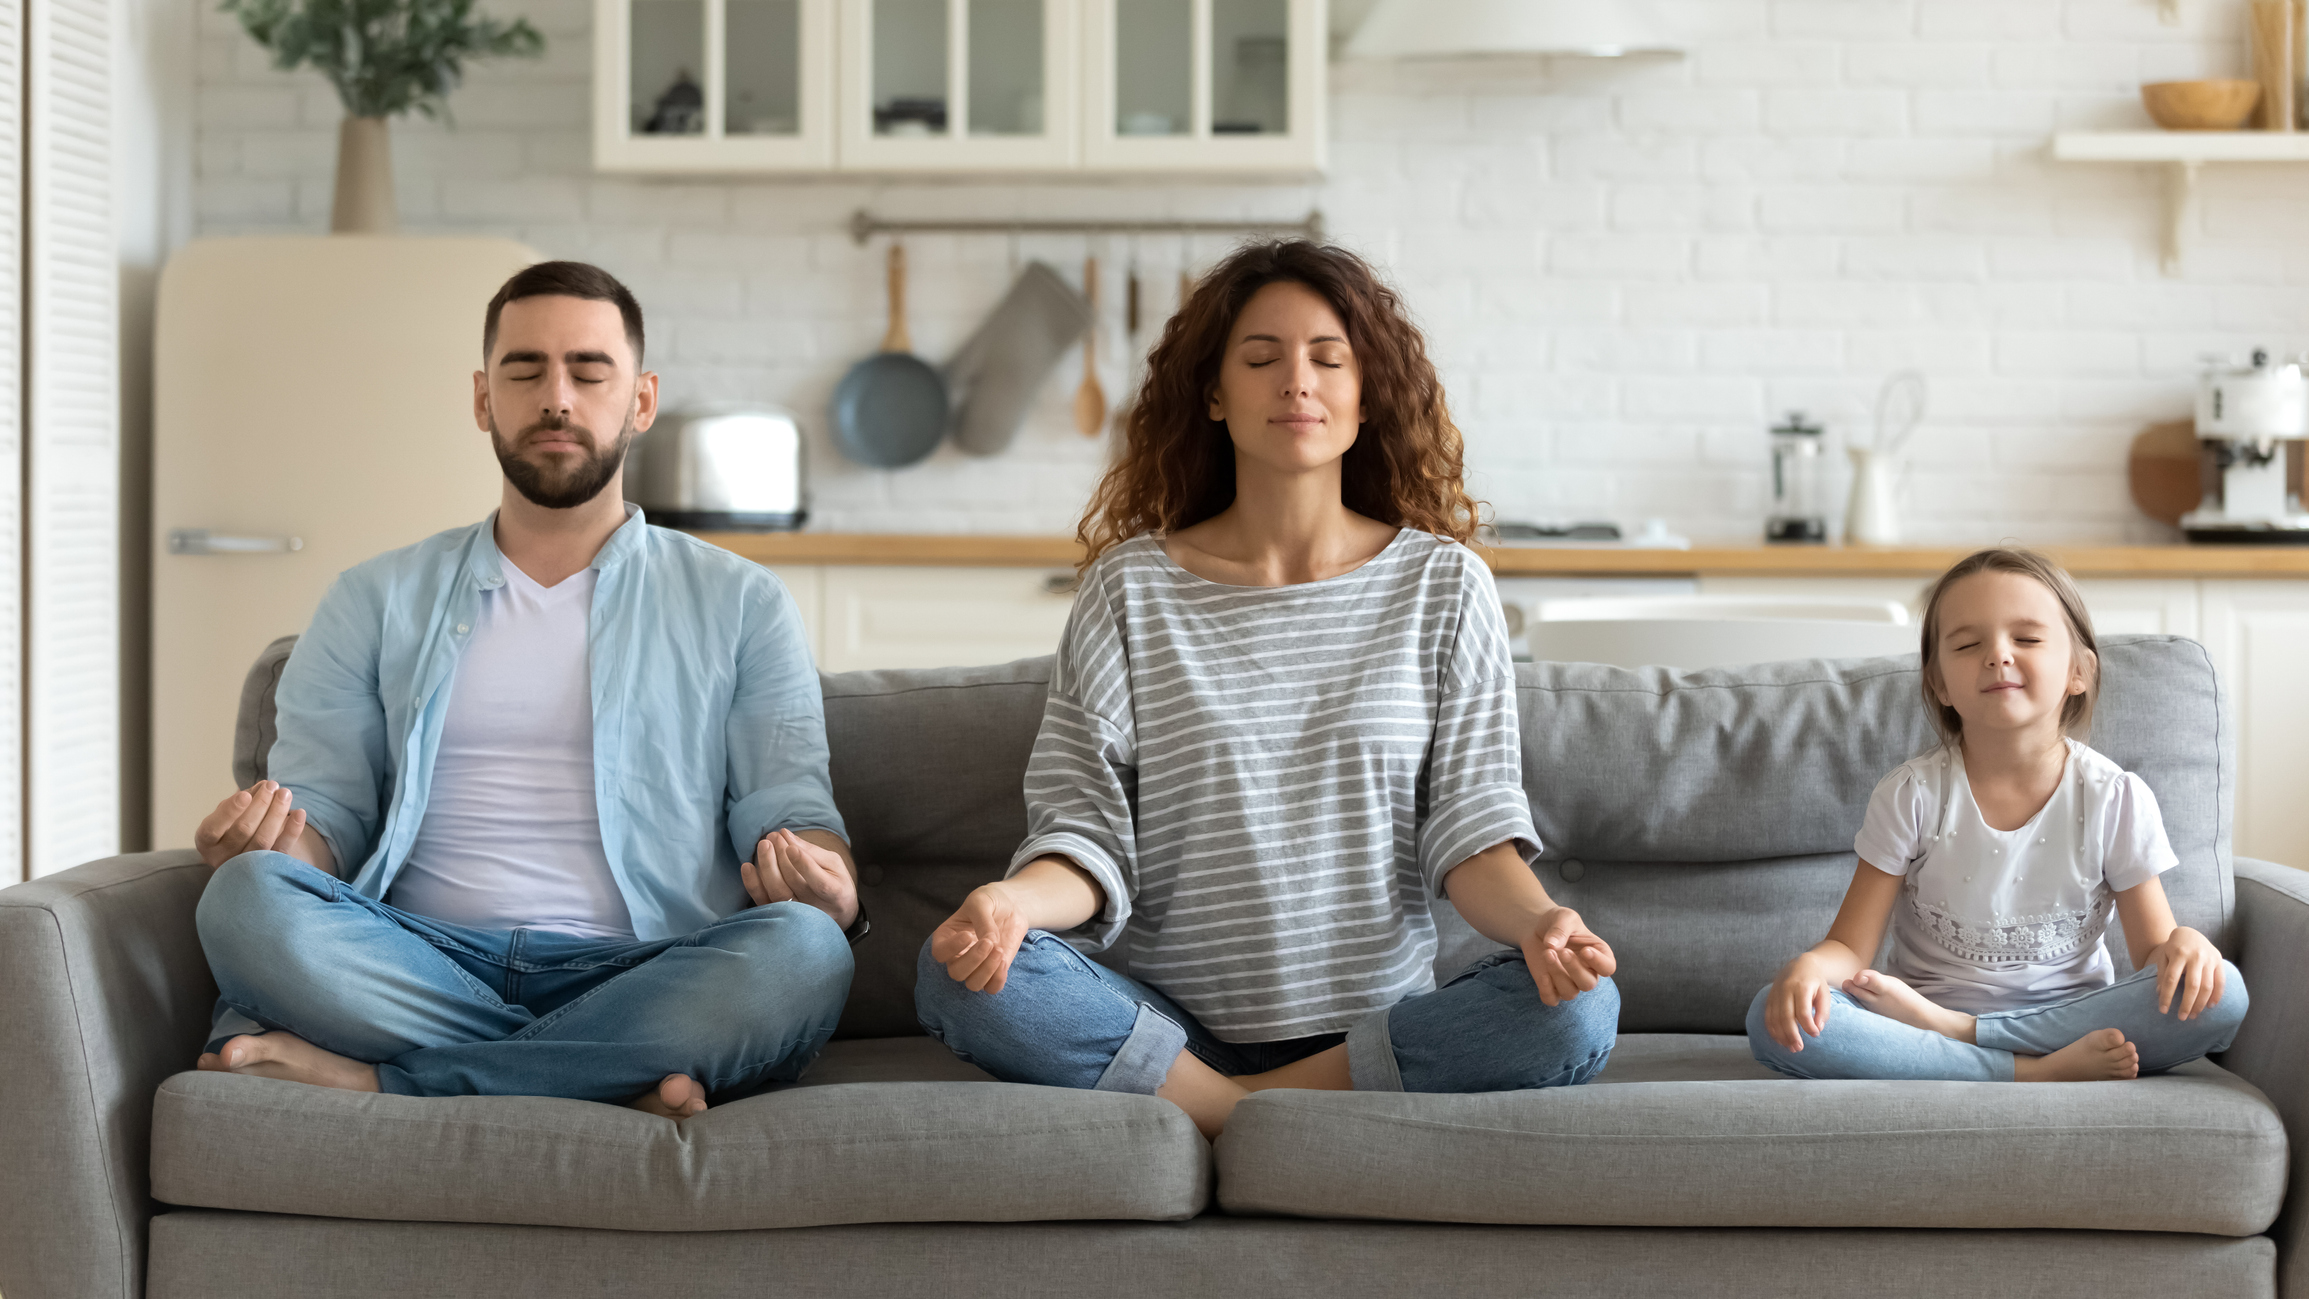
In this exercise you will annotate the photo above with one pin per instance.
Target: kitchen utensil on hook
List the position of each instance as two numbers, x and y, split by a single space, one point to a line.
1899 409
994 376
890 409
1090 399
1131 353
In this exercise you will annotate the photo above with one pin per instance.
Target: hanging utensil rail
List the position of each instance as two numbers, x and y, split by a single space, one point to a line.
865 225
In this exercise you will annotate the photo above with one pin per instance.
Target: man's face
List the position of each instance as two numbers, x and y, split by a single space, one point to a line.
561 398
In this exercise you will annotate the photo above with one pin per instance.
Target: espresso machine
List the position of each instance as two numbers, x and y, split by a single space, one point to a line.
2251 420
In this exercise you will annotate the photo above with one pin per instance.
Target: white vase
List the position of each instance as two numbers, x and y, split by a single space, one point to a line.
1871 518
364 203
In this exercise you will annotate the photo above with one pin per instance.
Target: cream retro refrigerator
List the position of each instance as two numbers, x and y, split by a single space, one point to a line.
312 407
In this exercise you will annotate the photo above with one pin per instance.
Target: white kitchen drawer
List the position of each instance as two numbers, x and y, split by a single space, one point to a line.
2150 607
1908 591
927 617
2168 606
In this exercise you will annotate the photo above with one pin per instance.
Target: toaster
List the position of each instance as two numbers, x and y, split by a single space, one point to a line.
721 467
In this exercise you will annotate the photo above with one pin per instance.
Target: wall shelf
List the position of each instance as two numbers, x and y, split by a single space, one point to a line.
2183 154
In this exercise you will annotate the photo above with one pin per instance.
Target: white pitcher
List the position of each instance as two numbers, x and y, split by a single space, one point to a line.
1872 518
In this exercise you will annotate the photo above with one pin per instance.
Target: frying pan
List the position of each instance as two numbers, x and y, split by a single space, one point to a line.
890 409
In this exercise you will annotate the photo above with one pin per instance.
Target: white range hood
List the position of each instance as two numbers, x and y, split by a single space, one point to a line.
1461 29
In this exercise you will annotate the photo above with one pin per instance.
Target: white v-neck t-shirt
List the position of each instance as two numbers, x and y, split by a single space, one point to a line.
512 834
2004 919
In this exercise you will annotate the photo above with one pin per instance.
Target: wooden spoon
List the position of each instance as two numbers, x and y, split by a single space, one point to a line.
1090 399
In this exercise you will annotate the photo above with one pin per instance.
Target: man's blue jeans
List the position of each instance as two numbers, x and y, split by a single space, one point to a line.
1859 1043
444 1010
1063 1020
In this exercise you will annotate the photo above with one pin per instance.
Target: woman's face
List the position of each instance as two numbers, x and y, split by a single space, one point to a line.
1289 390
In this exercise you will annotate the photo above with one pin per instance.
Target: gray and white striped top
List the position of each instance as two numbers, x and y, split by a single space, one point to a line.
1271 782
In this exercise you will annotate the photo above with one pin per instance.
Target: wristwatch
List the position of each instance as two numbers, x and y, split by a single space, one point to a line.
860 927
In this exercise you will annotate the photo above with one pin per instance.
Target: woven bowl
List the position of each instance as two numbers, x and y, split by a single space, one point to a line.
2201 105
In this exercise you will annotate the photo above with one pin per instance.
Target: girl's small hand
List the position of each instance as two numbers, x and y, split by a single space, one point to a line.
1798 1001
2187 962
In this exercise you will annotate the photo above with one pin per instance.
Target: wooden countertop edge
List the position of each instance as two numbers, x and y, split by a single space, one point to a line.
1516 561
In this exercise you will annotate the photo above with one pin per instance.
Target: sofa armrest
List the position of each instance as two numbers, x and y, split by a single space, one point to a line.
103 993
2272 1047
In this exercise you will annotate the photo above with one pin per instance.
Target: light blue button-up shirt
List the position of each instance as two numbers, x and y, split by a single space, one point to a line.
709 729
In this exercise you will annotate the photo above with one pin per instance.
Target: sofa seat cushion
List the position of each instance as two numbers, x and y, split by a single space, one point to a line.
1688 1131
881 1132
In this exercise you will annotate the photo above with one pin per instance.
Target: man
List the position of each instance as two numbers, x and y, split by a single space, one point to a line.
550 812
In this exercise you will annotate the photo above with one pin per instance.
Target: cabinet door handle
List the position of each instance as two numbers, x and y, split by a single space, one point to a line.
1061 583
200 541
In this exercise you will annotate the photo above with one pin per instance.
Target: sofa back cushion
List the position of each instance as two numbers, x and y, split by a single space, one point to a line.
1701 821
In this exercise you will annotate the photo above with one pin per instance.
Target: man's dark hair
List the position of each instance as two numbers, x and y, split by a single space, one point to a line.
564 280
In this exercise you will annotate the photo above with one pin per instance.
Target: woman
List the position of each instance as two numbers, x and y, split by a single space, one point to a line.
1282 721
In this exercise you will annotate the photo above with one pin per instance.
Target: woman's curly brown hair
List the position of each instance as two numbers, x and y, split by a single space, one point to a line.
1177 465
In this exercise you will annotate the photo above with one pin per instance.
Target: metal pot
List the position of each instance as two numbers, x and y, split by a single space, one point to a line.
728 467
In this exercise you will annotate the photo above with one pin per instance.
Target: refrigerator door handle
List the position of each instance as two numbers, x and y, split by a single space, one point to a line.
200 541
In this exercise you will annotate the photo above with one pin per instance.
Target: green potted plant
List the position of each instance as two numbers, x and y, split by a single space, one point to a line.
385 57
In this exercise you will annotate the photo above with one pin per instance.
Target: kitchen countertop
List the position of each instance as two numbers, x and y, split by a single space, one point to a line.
1530 561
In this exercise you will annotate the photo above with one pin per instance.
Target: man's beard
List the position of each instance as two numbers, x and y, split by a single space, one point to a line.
561 489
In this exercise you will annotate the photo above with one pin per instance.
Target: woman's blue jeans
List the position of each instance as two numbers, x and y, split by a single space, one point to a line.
1063 1020
445 1010
1859 1043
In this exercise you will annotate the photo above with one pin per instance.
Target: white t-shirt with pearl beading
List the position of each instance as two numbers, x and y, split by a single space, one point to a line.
2003 919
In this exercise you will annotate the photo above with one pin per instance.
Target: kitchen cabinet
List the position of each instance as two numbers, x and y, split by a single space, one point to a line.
713 85
959 87
927 617
1204 85
2258 634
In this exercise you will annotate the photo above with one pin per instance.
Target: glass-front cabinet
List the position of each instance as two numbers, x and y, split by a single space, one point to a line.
959 86
714 85
1204 85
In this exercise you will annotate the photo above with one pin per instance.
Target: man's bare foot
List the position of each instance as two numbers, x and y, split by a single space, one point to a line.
678 1097
2098 1056
1893 999
287 1056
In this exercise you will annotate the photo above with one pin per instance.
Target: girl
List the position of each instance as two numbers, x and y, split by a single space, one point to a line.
1997 858
1281 723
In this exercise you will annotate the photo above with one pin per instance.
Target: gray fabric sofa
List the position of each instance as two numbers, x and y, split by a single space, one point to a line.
1702 821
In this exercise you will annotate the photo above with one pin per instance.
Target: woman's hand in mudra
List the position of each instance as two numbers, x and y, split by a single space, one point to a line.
978 942
1565 956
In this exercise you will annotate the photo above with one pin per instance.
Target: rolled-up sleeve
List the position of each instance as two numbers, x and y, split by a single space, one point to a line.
1082 780
332 750
776 734
1475 797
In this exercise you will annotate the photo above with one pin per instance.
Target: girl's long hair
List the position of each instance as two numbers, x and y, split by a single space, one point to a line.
1177 464
2076 712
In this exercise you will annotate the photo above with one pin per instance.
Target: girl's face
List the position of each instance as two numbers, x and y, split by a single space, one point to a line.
1289 390
2006 660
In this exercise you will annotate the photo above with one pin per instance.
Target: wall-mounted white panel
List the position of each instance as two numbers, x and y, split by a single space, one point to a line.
71 445
11 444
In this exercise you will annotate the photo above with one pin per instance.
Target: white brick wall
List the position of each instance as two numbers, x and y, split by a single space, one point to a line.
1627 271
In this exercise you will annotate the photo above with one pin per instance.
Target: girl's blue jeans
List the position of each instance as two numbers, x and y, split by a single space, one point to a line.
445 1010
1063 1020
1859 1043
